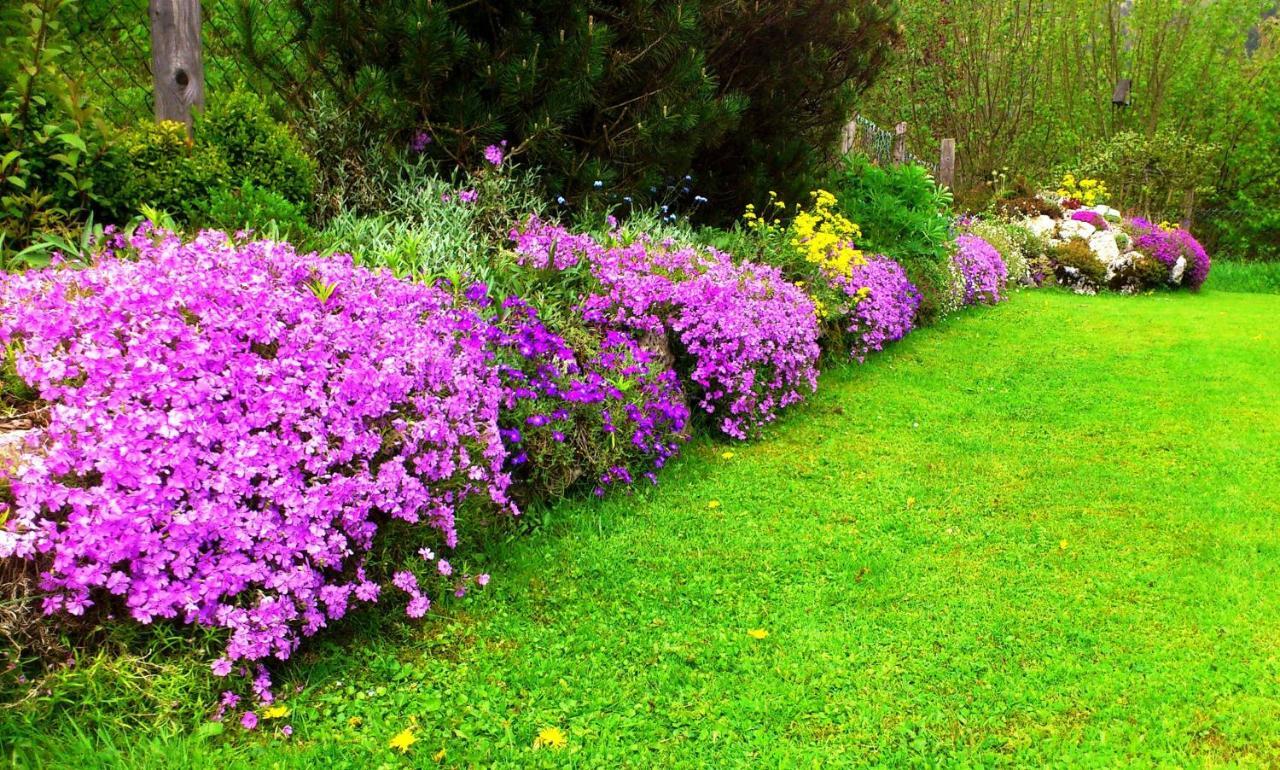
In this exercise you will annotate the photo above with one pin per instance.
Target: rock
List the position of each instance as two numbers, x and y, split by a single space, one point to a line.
1120 263
1179 268
1073 228
12 443
1042 225
1103 243
1108 213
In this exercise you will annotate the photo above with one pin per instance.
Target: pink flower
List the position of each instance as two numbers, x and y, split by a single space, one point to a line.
249 721
221 667
445 568
483 580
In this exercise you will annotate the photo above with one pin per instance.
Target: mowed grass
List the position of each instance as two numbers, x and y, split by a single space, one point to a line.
1041 534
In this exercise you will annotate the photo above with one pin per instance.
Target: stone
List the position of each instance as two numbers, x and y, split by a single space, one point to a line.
1042 225
1074 228
1107 213
1179 268
1103 244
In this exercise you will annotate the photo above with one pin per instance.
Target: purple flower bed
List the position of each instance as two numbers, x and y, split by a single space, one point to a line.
749 335
621 401
886 308
232 423
1092 217
981 269
1168 246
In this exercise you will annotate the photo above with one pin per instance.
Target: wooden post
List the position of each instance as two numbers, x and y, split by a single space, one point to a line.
849 139
900 143
947 163
1188 209
176 64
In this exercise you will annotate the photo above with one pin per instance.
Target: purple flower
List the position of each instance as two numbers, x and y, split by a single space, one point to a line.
494 154
468 196
420 141
445 568
981 271
249 721
886 310
483 579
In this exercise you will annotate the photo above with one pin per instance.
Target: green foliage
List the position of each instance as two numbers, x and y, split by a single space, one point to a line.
904 215
258 149
49 133
632 94
241 165
1017 245
1076 255
1152 175
1247 277
157 164
251 207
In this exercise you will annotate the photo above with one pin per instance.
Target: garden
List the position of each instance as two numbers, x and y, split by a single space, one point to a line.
480 385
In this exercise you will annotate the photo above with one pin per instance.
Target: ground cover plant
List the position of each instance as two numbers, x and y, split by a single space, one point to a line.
986 570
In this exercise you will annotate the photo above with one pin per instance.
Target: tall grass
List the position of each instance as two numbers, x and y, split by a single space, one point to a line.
1245 277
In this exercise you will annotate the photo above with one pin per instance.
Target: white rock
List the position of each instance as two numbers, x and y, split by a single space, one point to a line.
1073 228
1042 225
1121 262
1103 244
1107 212
1179 268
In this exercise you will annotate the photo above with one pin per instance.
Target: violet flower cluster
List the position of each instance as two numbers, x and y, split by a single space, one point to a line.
229 425
616 412
1168 245
982 273
886 306
749 336
1091 217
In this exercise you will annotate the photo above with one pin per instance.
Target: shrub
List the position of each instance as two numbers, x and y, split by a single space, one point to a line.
50 135
1075 264
628 93
1030 206
156 164
983 274
886 306
1011 241
233 425
904 215
745 339
258 149
252 207
236 143
608 414
1170 245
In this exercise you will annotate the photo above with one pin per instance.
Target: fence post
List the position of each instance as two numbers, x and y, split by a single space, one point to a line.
849 139
1188 209
900 143
947 163
176 64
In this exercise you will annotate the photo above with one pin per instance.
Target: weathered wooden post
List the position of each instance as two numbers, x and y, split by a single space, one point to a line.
947 163
1188 209
849 139
176 63
900 143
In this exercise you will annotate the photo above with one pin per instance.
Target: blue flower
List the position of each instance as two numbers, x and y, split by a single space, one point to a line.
560 200
597 184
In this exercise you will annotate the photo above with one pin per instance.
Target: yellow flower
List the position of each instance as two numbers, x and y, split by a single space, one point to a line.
355 722
550 738
275 712
403 740
713 504
727 455
439 755
757 633
1062 544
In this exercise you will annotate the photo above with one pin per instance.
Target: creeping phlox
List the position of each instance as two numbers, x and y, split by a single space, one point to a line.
230 425
1170 244
886 307
1086 192
750 335
981 272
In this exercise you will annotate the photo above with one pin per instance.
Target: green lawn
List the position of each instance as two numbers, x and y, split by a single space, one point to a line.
1046 533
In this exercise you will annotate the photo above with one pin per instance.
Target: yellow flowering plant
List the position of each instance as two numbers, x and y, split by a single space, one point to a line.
1089 192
